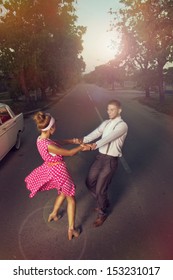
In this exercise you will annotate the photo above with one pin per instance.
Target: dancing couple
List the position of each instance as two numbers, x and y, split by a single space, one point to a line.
53 173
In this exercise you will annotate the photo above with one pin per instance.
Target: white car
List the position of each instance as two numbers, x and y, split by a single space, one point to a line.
11 128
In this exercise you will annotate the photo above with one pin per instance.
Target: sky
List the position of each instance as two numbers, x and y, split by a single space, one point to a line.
97 43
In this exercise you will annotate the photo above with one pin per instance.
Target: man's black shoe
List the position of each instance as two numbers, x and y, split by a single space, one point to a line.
99 221
97 208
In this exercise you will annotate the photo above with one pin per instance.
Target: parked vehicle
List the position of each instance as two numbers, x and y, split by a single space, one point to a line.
11 128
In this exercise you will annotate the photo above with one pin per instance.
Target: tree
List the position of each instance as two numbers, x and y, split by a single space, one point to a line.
107 74
169 76
40 44
147 39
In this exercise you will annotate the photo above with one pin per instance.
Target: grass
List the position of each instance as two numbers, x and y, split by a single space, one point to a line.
165 107
4 95
24 107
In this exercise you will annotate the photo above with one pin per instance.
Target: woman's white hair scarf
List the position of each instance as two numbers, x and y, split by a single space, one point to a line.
51 123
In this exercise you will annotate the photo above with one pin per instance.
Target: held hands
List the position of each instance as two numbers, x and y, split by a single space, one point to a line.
77 141
88 147
85 147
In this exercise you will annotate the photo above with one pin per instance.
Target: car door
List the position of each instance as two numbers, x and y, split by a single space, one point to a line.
8 132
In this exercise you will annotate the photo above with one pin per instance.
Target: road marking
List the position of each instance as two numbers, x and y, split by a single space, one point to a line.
90 97
98 113
125 165
122 159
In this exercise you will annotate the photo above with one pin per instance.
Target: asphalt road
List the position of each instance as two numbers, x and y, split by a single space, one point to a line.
140 224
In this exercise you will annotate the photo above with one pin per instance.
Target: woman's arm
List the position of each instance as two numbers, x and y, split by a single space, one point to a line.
64 152
70 141
65 141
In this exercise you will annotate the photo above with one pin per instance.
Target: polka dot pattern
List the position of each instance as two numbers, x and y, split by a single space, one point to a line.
46 177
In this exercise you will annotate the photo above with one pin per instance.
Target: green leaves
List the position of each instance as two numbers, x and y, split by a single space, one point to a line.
39 39
147 34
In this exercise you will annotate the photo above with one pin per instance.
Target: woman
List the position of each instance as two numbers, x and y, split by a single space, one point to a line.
53 172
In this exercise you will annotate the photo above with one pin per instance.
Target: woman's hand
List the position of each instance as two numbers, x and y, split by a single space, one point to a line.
77 141
88 147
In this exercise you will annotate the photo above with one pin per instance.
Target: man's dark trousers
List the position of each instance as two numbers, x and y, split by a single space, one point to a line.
99 178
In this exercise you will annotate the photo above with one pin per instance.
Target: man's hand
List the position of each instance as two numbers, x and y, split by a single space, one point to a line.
77 141
88 147
93 146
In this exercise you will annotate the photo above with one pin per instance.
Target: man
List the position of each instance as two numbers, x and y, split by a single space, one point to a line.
113 133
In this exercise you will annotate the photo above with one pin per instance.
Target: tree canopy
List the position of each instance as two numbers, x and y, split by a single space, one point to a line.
147 37
40 43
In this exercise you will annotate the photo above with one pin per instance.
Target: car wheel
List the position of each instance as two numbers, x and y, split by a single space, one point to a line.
18 141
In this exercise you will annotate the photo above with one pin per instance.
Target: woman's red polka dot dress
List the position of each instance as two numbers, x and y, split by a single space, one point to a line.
46 177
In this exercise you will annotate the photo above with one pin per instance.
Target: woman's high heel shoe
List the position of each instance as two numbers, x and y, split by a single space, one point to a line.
53 217
73 233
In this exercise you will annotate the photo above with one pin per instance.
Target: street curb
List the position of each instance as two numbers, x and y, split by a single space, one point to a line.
25 114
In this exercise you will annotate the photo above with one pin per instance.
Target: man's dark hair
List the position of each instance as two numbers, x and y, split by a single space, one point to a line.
115 102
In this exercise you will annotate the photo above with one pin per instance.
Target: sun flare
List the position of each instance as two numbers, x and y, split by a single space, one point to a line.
100 48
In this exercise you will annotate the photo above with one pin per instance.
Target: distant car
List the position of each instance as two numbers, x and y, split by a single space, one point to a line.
11 128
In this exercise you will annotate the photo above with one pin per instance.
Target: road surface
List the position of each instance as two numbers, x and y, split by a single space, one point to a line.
140 224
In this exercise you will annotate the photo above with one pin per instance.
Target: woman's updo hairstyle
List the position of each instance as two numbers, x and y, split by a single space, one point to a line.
42 120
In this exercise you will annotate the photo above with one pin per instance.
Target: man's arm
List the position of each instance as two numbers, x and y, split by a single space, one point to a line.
118 132
95 134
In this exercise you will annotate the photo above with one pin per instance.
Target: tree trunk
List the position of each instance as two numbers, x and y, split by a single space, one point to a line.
161 90
147 91
23 84
146 81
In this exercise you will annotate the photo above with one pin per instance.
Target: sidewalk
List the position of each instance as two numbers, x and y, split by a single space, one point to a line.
53 100
21 107
166 107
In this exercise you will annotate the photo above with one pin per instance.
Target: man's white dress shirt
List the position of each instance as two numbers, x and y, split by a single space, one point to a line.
113 133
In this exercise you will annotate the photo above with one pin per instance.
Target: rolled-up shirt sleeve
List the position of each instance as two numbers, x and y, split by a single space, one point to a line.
113 135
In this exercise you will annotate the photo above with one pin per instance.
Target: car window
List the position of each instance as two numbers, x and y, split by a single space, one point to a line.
4 115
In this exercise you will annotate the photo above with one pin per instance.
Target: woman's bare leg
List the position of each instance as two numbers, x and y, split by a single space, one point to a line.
71 212
58 202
